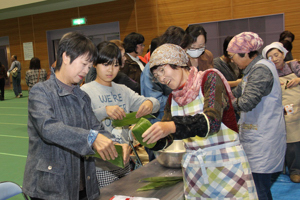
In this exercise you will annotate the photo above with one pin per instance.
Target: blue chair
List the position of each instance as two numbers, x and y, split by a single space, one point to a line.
9 189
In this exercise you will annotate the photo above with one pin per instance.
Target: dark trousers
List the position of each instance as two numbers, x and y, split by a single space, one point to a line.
2 84
17 84
263 185
292 158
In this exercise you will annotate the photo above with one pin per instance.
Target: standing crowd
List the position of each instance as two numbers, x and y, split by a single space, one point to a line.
237 114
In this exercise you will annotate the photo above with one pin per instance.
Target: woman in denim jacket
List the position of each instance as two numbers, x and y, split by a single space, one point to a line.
63 129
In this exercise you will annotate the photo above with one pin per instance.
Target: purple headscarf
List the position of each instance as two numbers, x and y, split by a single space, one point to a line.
245 42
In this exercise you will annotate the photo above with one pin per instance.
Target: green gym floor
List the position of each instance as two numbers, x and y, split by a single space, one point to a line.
13 138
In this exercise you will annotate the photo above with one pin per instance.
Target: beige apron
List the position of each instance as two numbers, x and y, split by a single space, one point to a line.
291 102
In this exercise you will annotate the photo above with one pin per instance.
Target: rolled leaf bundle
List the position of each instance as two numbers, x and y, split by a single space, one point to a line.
141 126
118 161
129 119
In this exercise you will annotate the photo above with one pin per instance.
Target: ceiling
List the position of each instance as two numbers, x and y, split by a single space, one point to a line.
18 8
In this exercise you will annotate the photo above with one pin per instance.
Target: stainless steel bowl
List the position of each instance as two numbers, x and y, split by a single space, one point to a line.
171 156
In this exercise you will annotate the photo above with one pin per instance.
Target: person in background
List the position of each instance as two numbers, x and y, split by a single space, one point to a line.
289 36
121 77
16 80
113 101
258 99
203 116
63 129
194 42
150 88
50 69
35 74
289 75
226 67
289 47
3 76
153 46
134 46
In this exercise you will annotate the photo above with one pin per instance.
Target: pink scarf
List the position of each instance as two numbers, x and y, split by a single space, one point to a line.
190 91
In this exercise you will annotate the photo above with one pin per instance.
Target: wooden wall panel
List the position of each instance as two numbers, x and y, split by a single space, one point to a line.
122 11
26 35
150 18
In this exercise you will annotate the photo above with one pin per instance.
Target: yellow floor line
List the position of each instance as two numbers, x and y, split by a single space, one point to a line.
8 154
13 136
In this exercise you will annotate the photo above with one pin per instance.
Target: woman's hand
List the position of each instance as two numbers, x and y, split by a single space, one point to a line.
126 152
158 130
145 109
115 112
294 82
105 147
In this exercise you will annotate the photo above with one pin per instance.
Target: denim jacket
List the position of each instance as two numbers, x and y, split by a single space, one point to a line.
58 127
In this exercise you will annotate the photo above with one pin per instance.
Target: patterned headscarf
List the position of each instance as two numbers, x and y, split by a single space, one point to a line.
245 42
168 54
274 45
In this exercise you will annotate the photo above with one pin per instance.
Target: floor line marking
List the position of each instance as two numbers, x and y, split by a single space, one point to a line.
14 115
13 136
15 107
14 124
9 154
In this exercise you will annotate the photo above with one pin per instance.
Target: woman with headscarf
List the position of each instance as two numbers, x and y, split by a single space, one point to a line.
215 165
289 74
258 98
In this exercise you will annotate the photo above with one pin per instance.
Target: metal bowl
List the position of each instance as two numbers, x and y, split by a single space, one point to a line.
171 156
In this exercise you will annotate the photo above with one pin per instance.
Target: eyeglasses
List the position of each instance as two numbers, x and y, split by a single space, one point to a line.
142 45
160 72
231 57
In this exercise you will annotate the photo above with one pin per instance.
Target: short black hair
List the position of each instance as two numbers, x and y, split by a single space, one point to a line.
35 63
75 44
250 54
191 34
154 44
15 57
108 53
287 44
225 45
131 40
173 35
286 34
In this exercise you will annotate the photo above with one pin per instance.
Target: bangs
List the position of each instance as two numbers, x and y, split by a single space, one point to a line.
109 54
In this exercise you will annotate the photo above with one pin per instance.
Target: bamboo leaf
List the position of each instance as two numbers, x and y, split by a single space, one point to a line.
118 161
129 119
157 185
141 126
163 179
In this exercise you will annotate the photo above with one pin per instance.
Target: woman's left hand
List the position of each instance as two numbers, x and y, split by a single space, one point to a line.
145 109
294 82
158 130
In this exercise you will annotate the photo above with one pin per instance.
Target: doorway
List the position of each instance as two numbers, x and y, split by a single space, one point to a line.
5 55
97 33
